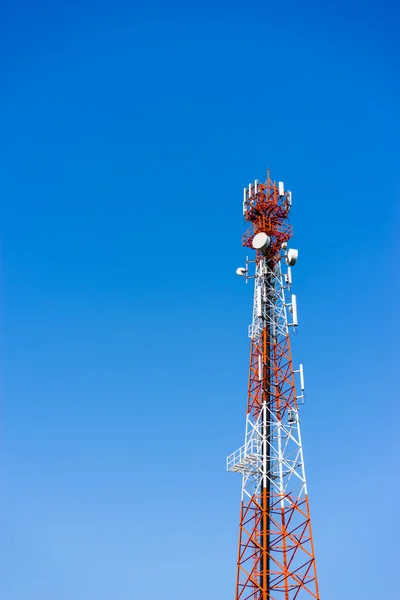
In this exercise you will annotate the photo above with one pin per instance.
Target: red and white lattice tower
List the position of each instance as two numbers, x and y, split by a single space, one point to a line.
276 552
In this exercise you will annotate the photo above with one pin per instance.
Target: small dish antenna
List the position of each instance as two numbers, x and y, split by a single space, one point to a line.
291 257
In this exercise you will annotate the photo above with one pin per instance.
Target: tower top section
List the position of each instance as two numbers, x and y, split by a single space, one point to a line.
266 207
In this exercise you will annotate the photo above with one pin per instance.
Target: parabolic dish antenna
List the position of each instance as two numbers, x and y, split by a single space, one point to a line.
261 241
291 257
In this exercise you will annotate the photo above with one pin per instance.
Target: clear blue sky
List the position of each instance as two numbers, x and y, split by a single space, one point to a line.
129 131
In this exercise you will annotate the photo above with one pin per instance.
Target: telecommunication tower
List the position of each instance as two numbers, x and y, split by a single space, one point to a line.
276 558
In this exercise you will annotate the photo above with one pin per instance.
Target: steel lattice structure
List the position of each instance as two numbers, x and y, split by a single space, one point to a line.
276 553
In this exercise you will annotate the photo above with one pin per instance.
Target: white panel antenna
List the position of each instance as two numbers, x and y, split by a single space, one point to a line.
260 371
301 377
281 188
288 276
294 310
259 303
256 186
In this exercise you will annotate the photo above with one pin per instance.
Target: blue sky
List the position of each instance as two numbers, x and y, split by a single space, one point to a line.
129 132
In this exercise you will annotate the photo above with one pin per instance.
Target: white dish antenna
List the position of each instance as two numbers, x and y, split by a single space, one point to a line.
241 271
291 257
261 241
